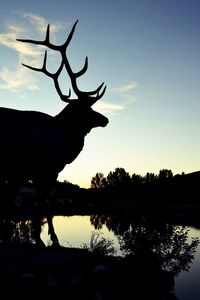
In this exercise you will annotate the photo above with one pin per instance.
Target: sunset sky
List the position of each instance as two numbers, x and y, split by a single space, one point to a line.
148 54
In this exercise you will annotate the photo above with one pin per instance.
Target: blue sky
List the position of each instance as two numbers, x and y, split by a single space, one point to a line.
148 55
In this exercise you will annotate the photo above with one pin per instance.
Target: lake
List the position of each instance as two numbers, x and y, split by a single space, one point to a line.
176 246
73 231
76 230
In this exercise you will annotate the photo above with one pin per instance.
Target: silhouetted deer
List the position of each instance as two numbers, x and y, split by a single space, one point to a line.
38 146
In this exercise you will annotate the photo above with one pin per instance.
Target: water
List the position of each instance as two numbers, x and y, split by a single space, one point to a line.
172 244
75 230
187 284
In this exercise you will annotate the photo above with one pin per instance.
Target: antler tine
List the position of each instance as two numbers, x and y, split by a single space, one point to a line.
97 90
70 35
65 63
45 42
54 76
83 70
90 93
42 69
98 96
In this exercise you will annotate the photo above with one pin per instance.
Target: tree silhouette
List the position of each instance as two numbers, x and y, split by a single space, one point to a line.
98 181
150 178
136 179
119 178
165 175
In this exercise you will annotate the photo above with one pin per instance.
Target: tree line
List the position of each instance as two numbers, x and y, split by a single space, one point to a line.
119 185
120 178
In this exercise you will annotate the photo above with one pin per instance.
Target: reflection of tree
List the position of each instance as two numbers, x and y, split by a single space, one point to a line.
175 252
115 223
6 230
21 230
169 243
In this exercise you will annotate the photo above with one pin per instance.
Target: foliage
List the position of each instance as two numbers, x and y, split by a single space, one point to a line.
100 245
98 181
150 178
119 178
169 243
136 179
180 254
164 175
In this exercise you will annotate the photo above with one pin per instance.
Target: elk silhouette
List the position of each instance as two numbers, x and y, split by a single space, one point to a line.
37 146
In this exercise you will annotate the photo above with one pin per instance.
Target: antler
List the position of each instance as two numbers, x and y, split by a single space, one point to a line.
73 76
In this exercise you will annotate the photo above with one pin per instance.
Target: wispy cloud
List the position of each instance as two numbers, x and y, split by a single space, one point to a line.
14 80
9 40
40 24
108 108
125 88
18 78
124 92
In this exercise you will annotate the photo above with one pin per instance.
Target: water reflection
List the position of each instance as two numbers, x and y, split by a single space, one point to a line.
165 244
156 252
153 240
15 230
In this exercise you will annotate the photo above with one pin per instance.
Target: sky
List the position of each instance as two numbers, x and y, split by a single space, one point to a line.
148 54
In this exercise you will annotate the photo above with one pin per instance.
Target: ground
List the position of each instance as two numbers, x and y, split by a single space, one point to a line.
31 272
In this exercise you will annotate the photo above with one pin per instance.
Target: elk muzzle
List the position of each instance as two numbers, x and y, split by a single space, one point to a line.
105 121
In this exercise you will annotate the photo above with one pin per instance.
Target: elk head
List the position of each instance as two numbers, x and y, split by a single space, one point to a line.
81 108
